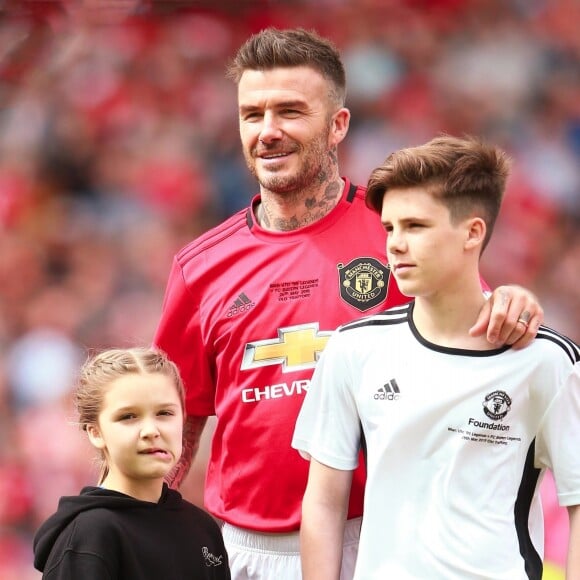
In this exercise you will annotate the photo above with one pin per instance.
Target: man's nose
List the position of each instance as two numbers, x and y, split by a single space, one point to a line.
270 130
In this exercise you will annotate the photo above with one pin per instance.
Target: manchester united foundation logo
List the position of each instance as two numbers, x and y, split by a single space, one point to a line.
496 405
363 282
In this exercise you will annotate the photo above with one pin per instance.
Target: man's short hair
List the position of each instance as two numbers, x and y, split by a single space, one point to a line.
272 48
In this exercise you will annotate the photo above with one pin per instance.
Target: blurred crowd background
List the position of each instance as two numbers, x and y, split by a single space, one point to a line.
119 143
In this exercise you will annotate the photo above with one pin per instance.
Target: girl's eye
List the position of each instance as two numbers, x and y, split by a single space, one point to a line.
126 416
167 413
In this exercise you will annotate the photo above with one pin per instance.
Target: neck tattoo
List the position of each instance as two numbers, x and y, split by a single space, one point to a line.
262 217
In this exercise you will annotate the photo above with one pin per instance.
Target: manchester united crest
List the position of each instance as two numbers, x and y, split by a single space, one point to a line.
363 282
496 405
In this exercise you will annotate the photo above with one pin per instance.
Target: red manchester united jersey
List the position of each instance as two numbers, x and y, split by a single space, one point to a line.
246 315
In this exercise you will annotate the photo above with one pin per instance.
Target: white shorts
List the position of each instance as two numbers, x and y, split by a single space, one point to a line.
260 556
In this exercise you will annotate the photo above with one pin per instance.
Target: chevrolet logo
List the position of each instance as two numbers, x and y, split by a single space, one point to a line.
296 348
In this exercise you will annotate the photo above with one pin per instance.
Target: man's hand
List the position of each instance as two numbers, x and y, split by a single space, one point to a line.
511 316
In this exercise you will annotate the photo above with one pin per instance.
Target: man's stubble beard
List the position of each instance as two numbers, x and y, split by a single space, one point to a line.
311 173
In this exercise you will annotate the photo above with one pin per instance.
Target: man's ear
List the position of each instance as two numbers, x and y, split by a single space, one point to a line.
474 233
95 437
339 127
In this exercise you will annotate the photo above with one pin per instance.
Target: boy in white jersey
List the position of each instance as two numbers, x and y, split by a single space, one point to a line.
457 433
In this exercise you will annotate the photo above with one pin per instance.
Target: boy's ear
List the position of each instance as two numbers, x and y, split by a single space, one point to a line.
475 233
95 436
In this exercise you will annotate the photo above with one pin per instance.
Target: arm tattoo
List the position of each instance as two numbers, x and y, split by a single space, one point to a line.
192 431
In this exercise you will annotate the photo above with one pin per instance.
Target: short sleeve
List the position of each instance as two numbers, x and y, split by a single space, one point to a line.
557 443
328 425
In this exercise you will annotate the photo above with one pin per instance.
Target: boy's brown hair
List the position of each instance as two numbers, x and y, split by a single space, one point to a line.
466 175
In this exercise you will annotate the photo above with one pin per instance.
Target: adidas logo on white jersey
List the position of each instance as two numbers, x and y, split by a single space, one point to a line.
389 391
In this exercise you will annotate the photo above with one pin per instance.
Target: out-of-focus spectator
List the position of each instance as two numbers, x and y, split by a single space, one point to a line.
119 143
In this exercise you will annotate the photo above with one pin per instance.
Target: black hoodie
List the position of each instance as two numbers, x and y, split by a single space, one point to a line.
106 535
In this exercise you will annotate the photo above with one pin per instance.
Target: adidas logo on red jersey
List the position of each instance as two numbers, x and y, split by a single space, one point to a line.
241 304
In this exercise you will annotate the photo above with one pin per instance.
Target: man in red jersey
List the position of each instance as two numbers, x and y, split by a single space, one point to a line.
251 304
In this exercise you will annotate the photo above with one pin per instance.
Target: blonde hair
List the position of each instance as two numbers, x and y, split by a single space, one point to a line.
100 370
